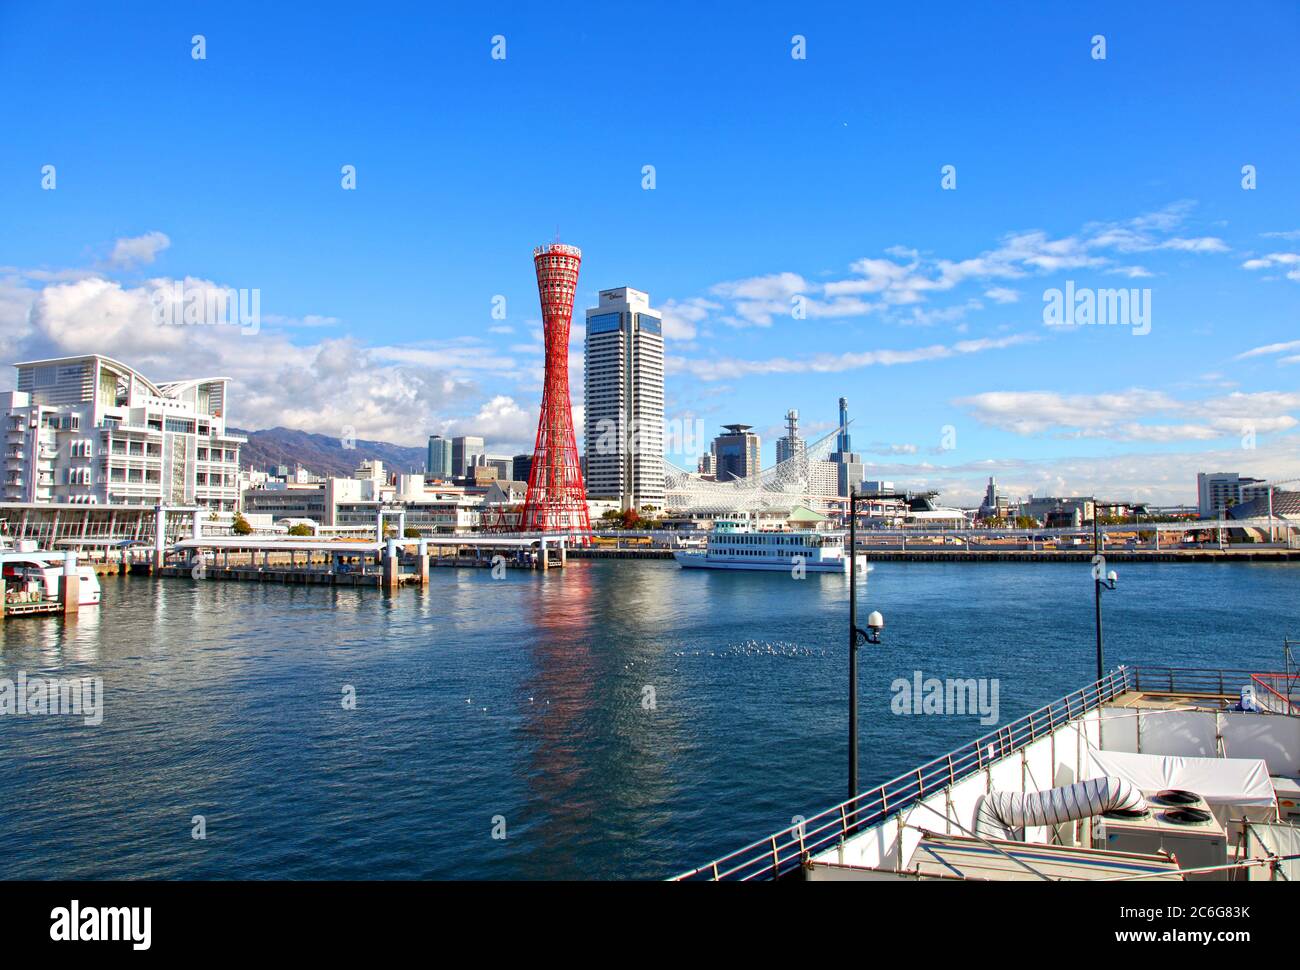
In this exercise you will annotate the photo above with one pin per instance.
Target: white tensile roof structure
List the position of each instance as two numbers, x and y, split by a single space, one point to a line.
784 485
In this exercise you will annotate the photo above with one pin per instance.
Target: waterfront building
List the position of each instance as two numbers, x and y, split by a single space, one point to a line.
282 500
1059 507
1218 491
438 462
624 399
465 452
736 453
355 503
1279 505
92 430
707 465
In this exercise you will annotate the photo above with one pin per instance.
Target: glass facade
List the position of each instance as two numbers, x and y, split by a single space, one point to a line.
603 323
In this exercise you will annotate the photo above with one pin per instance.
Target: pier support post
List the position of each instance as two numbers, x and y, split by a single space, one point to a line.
544 559
564 552
159 536
2 598
70 585
197 525
422 551
391 578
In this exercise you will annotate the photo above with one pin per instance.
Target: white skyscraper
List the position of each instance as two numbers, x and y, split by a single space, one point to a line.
624 399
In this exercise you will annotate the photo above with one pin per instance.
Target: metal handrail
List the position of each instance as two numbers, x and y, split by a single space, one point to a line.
1263 681
768 858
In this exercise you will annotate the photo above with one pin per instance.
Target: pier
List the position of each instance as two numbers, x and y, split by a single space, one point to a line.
389 564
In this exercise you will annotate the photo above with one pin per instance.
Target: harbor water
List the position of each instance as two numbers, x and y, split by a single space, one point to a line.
607 720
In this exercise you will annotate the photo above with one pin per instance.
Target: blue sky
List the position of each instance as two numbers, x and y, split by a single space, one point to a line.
775 178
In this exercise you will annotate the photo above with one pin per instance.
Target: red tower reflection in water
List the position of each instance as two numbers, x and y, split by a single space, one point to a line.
556 500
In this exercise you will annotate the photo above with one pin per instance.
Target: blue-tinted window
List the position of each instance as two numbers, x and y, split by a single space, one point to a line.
603 323
649 324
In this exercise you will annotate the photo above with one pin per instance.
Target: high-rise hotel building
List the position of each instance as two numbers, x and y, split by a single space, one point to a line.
91 430
624 399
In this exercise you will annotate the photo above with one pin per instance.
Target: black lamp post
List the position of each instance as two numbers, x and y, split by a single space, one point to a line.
1100 581
857 635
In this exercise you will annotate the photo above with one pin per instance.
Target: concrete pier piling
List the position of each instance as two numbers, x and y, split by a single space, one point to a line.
70 585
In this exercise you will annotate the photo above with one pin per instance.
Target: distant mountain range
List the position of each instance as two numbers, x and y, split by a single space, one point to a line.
320 453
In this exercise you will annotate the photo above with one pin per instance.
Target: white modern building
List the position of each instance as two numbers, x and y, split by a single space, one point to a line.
92 430
355 503
624 399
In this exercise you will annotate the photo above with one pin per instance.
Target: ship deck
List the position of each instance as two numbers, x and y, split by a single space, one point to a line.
1172 716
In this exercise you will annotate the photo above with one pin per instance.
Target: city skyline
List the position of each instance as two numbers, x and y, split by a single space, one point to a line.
924 306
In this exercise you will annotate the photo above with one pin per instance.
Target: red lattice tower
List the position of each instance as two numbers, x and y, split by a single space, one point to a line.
556 500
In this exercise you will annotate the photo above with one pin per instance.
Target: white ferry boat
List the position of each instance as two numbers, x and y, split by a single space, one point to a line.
734 545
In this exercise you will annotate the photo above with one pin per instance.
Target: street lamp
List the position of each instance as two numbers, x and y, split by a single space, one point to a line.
1108 582
857 635
1100 581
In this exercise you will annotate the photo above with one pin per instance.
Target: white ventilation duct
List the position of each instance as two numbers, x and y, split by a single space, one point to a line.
999 814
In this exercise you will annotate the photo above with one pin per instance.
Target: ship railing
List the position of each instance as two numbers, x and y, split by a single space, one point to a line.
1279 692
785 851
1191 680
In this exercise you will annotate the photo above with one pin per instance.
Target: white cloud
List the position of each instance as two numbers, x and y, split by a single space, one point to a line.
713 369
1131 415
1277 261
1269 349
131 251
506 425
682 317
381 393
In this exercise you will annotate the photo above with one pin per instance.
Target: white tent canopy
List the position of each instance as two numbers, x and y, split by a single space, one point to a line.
1233 787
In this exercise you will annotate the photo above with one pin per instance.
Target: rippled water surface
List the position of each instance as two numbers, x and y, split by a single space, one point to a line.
524 699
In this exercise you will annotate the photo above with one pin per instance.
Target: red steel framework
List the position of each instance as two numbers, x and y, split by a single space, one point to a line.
556 500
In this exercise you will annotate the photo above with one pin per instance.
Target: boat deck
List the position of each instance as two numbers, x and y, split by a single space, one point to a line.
1157 712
